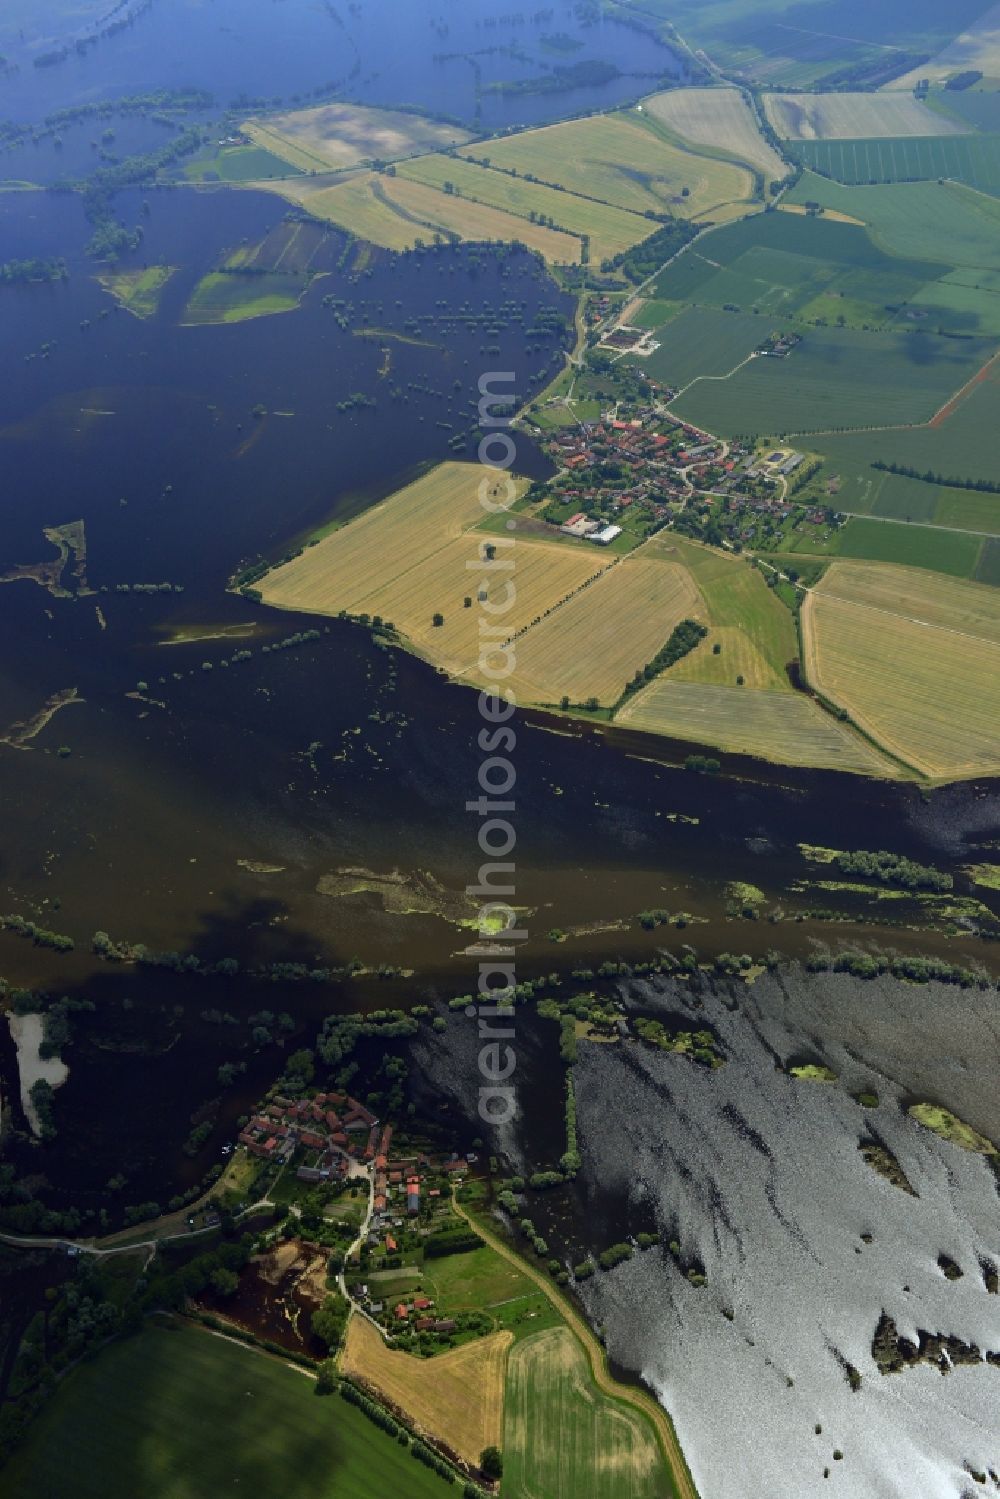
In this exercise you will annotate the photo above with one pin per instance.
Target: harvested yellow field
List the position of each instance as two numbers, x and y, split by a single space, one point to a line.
594 644
544 574
820 117
610 230
418 555
717 117
333 137
436 211
933 598
396 212
828 213
618 159
786 727
457 1397
918 667
737 657
352 203
977 48
563 1438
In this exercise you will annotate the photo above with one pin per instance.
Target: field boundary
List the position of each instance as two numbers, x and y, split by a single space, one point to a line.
639 1399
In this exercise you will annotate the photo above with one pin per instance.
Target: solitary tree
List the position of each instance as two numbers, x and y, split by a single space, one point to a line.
491 1462
438 620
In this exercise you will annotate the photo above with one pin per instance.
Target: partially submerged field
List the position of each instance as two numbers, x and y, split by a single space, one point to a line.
457 1398
332 137
620 160
914 658
719 118
563 1439
397 212
181 1414
138 291
843 116
221 297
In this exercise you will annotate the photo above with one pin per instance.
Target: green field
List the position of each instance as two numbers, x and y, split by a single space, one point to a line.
838 377
915 546
185 1415
973 159
815 40
981 110
738 600
563 1439
222 298
703 341
806 255
945 222
964 301
237 164
475 1279
963 446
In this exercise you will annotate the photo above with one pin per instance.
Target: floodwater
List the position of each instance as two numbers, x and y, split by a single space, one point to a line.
443 57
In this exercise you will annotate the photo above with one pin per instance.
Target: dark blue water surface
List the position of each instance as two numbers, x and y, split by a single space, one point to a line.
434 53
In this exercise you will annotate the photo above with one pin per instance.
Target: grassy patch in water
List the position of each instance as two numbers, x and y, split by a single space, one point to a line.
138 291
951 1128
813 1072
222 298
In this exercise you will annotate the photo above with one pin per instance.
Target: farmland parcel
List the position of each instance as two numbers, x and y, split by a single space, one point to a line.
812 117
914 659
719 118
618 159
456 1398
146 1417
408 560
781 726
335 136
563 1438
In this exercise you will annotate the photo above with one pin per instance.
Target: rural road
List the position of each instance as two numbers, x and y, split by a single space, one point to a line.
683 1482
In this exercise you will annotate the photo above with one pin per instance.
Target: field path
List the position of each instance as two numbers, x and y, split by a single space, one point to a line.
641 1401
